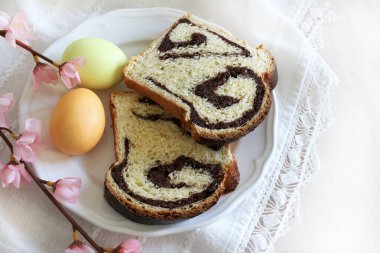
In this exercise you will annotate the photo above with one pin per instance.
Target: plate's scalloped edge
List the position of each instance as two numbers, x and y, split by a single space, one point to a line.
159 230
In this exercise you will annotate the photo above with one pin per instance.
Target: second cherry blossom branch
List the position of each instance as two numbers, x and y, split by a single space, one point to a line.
40 183
31 50
62 210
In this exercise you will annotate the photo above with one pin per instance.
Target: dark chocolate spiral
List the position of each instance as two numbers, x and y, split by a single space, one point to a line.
206 90
196 39
160 176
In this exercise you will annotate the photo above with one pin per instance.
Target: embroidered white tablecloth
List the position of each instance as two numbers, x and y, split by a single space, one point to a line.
29 223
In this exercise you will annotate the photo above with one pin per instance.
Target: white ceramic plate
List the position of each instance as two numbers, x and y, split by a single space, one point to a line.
135 29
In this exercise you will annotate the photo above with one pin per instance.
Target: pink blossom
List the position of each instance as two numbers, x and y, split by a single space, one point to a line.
26 146
13 174
16 28
43 72
79 247
69 73
7 102
129 246
67 189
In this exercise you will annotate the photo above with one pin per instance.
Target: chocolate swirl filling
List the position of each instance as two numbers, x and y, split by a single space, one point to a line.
196 39
156 117
159 175
207 89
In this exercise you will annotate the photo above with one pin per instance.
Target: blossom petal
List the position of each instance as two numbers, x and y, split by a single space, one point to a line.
24 174
7 101
71 181
5 20
65 195
51 75
10 38
34 126
77 78
129 246
17 182
68 69
79 247
87 249
69 74
24 152
19 27
67 81
78 61
26 146
26 138
9 175
44 73
67 189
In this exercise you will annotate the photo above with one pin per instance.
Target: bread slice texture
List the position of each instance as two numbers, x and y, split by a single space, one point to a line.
217 85
161 175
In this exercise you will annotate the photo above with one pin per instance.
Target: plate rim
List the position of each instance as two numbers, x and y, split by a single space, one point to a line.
26 98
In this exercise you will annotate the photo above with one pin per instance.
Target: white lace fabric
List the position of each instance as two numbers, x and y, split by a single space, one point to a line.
298 161
257 222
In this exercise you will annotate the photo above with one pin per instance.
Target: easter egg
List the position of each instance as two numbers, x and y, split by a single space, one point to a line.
104 62
77 122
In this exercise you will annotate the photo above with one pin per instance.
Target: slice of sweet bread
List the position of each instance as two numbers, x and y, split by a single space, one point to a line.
217 85
161 175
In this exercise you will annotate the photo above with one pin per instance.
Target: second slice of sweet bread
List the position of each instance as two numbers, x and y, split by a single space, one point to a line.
217 85
161 175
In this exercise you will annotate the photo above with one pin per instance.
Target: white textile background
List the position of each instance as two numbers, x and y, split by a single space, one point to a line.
29 223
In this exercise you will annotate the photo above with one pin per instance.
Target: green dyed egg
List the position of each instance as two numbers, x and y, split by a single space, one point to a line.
104 62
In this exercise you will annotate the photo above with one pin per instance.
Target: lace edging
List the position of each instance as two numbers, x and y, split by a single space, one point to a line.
310 18
298 163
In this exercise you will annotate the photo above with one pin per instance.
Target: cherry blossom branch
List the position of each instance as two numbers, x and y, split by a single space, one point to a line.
14 136
7 130
31 50
42 72
6 140
48 183
62 210
25 147
53 200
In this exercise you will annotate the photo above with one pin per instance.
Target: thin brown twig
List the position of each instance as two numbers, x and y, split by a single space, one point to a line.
62 210
9 131
4 137
31 50
43 181
53 200
48 183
